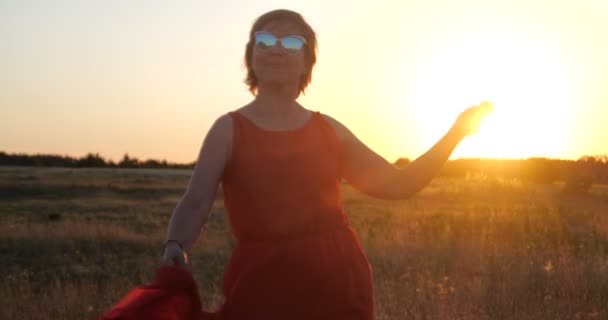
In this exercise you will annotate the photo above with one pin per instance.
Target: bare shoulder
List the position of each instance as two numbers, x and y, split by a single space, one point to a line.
219 136
223 124
341 130
222 128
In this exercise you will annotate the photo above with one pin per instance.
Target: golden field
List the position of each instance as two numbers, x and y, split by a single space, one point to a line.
74 241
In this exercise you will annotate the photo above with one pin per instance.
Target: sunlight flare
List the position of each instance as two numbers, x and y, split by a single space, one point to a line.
526 82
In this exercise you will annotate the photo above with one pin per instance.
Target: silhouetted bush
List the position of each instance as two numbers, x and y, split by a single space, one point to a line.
92 160
401 163
128 162
586 171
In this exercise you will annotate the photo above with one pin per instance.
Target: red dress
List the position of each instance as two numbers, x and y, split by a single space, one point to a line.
296 256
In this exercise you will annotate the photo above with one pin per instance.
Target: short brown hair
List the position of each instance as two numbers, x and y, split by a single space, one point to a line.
310 49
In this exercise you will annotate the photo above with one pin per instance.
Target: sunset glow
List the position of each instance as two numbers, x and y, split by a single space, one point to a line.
116 78
525 80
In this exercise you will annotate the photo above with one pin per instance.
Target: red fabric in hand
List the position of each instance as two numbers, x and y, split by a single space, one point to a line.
172 295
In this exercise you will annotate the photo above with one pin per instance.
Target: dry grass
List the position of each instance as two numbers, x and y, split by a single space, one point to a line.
74 241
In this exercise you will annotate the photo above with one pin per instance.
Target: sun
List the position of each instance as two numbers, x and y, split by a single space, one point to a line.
524 79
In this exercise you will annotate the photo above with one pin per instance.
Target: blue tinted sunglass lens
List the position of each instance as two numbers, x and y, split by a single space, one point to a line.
292 44
265 40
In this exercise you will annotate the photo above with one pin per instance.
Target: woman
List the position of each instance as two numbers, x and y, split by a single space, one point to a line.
280 167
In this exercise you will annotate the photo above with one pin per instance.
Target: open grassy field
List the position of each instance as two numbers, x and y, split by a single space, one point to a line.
73 241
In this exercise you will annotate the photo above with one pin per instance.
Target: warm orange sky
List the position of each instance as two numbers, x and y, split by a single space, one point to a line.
149 77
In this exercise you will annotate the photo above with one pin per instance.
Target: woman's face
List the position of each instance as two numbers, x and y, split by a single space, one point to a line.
275 65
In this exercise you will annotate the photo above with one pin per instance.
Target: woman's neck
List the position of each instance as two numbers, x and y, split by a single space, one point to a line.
276 101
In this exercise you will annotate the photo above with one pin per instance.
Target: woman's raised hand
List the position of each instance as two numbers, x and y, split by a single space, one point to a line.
469 120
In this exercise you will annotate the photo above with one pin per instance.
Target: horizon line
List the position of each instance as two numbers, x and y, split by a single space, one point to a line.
195 160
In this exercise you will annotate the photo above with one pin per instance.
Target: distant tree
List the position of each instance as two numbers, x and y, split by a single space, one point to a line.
585 171
596 159
128 162
91 160
4 158
151 163
402 163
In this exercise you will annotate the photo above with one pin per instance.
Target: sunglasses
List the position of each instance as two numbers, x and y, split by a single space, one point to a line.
291 44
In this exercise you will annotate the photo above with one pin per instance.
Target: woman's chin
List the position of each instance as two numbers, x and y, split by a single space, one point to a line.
277 81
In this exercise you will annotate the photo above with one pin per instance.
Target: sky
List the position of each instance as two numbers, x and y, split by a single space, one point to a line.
148 78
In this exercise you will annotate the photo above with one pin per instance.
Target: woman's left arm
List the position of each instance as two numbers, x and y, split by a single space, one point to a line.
368 172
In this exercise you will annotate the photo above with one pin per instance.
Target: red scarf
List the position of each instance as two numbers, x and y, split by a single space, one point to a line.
173 295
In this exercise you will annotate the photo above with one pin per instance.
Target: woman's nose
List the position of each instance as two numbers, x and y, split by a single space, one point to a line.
277 48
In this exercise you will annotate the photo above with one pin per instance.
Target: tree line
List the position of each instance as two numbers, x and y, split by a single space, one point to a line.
90 160
578 175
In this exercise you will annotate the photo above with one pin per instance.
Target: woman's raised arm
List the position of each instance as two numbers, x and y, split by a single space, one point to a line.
370 173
